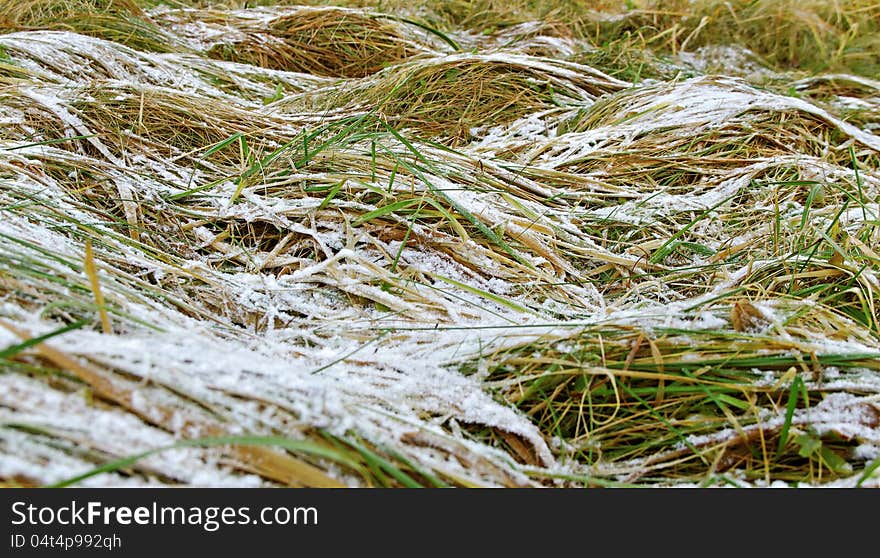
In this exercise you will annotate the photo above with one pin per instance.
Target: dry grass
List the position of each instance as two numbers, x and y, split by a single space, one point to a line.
122 21
447 97
331 42
624 409
334 247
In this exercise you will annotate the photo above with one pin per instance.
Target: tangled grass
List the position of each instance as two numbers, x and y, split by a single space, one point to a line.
290 245
332 42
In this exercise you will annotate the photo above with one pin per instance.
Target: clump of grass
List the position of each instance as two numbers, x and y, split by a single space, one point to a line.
651 401
121 21
548 38
668 147
626 57
51 280
447 97
851 98
813 36
54 57
333 42
167 117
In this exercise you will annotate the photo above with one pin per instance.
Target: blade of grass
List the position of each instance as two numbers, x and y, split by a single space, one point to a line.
484 294
13 350
379 462
869 470
296 446
51 142
92 272
665 249
794 391
442 36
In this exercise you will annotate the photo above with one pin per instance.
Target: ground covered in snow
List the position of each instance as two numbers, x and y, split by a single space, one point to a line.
328 246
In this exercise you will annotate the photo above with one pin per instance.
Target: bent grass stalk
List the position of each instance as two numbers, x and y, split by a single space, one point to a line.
501 265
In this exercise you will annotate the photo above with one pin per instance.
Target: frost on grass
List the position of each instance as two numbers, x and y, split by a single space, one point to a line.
403 265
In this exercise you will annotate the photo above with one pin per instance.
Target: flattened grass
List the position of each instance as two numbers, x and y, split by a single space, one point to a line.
331 42
447 97
683 403
670 281
121 21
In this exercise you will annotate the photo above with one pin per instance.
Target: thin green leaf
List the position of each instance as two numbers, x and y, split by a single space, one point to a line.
794 390
13 350
296 446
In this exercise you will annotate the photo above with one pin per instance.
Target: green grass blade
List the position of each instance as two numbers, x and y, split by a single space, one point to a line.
869 470
794 391
295 446
484 294
13 350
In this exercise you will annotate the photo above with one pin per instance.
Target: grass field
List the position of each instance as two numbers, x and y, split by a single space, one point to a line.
444 244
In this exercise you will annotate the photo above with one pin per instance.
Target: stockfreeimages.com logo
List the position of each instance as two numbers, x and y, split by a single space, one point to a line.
209 518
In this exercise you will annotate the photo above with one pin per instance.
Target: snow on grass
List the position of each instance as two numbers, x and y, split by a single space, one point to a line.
370 293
